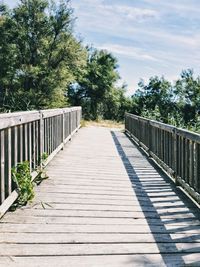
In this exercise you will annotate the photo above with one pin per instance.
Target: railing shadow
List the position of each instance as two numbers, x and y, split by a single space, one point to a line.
168 219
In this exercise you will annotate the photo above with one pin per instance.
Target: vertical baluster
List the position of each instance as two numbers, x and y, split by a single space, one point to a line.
41 138
30 145
53 133
21 142
186 160
149 136
168 149
2 165
183 158
191 161
175 154
44 135
195 182
34 145
48 135
9 154
171 150
198 168
51 141
70 122
25 142
63 127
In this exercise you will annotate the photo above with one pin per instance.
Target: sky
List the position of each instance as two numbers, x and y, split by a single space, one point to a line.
148 37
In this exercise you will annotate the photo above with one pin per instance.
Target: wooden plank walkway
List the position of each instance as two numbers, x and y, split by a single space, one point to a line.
105 205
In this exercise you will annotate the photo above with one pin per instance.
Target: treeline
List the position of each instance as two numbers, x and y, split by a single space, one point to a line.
39 55
44 65
177 104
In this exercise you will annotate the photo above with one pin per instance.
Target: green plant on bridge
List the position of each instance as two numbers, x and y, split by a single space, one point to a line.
22 177
42 175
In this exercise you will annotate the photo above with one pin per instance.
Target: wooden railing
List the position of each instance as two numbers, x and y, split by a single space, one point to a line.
176 150
25 136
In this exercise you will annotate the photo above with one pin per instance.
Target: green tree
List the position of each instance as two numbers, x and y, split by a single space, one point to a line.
46 57
7 55
176 104
155 99
116 104
187 89
93 87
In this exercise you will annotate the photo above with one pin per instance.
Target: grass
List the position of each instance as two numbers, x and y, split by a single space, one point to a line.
103 123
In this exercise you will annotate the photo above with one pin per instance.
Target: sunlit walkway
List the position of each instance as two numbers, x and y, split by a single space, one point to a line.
103 205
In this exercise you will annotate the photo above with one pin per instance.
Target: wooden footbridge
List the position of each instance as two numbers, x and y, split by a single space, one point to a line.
106 203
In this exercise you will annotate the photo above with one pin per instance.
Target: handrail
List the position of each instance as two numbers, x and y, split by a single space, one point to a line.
25 136
176 150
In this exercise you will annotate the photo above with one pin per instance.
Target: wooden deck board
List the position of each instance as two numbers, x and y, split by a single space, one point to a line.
105 205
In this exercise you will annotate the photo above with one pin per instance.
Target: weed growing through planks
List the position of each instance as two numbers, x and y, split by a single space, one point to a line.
42 175
22 177
43 204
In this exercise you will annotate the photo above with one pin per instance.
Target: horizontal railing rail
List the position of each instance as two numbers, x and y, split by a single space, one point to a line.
26 136
176 150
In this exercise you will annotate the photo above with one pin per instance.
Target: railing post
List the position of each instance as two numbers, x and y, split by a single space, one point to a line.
21 142
70 122
30 147
76 120
139 132
80 116
195 181
9 182
41 136
2 135
63 128
175 154
149 138
191 162
125 122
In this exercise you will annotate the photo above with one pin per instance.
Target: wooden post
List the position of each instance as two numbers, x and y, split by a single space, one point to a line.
175 155
195 181
197 167
25 142
15 146
149 137
2 166
9 181
139 132
63 128
30 145
41 137
21 142
70 123
191 164
34 145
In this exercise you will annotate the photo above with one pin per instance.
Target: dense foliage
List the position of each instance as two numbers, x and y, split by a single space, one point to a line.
21 175
96 91
39 56
177 104
43 65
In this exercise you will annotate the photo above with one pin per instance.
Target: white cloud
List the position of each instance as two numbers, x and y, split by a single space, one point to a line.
174 38
128 51
101 13
131 13
179 6
125 22
160 35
